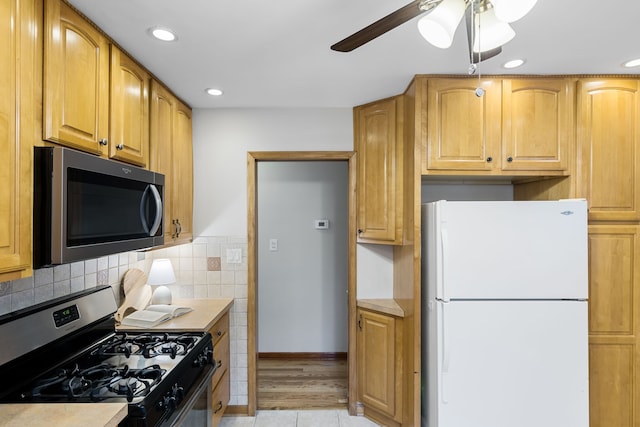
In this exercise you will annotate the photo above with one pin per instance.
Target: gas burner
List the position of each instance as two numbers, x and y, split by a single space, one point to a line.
99 382
148 345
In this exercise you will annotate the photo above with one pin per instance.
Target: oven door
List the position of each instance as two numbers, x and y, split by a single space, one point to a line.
195 409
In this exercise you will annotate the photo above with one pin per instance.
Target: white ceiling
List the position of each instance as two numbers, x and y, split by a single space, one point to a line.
276 53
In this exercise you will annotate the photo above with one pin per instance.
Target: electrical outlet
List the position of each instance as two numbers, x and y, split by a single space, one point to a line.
234 256
273 245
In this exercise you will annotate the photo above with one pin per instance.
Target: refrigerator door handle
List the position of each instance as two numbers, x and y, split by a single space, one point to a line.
446 353
444 240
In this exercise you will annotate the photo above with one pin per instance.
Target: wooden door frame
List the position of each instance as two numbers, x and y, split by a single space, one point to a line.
253 158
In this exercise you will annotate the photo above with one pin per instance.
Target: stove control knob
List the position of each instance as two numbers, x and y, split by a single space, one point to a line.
203 358
178 393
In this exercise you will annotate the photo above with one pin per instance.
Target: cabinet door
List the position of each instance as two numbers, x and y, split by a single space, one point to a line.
76 84
536 124
380 171
19 78
614 325
183 174
463 129
608 148
377 361
129 110
161 151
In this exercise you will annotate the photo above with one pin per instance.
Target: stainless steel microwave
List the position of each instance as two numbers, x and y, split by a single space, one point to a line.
87 207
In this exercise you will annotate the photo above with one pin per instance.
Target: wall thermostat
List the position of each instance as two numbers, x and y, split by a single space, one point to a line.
322 224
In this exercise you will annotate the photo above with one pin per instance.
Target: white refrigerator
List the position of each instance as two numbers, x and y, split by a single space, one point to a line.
505 314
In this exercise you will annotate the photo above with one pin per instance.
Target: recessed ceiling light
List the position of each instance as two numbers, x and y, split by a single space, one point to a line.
164 34
514 63
632 63
214 92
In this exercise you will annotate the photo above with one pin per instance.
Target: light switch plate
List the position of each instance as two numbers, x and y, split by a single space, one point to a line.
234 256
322 224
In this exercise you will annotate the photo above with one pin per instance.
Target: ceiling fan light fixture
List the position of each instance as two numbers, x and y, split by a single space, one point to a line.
512 10
490 32
439 26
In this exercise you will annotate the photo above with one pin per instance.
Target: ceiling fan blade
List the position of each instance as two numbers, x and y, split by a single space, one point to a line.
381 26
476 57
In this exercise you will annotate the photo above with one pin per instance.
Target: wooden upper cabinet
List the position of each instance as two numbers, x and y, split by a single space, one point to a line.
172 155
96 98
76 82
129 111
536 124
517 127
183 174
608 144
161 159
20 76
379 144
463 129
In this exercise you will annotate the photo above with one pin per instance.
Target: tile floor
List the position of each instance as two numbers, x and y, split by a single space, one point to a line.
310 418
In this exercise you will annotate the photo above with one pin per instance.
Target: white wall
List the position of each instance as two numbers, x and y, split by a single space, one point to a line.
302 286
222 139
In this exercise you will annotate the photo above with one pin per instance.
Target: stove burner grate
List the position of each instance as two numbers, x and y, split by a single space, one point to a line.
148 345
99 382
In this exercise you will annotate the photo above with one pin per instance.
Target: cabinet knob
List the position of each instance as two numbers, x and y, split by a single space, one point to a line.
103 141
489 159
509 159
119 146
359 231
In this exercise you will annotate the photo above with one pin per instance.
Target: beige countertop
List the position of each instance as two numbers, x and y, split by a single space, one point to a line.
387 306
206 312
62 414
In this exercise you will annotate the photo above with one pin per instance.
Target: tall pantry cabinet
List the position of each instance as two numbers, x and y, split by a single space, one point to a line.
20 76
608 176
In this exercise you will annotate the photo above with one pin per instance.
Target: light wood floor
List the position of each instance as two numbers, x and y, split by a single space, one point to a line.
302 383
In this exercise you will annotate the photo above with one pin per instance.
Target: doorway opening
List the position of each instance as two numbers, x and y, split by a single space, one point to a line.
308 360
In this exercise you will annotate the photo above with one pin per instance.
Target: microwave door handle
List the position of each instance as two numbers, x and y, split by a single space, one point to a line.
158 218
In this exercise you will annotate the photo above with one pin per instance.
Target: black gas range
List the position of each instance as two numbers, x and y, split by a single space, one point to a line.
67 350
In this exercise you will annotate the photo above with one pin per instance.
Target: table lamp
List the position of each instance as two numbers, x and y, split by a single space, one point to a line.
161 274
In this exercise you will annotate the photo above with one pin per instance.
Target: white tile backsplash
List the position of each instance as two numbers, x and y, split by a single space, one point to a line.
194 281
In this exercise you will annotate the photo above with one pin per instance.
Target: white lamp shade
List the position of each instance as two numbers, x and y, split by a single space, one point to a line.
161 273
490 32
512 10
439 26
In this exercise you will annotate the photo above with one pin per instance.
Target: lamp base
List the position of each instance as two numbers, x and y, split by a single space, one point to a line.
161 295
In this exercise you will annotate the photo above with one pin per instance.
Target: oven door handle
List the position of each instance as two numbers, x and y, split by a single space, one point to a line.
151 231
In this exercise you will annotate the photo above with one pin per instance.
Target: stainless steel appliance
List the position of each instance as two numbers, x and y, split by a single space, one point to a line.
86 206
67 350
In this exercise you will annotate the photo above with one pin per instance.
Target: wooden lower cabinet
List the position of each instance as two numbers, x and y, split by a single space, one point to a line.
379 360
220 382
614 325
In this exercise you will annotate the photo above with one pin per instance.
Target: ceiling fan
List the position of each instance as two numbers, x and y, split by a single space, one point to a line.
487 24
